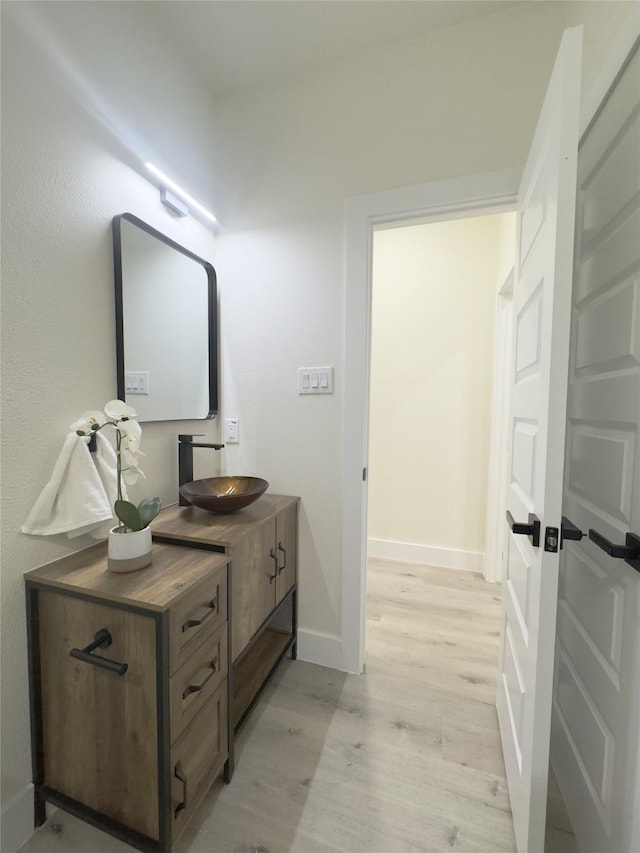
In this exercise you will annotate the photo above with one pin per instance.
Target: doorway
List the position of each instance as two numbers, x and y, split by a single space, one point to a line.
493 192
435 295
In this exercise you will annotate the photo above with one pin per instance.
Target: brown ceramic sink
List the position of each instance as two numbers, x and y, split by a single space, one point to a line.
224 494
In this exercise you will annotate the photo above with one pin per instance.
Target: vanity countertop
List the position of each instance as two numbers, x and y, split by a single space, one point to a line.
174 571
190 524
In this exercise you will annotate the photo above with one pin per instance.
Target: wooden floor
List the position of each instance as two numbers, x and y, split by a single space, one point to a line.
401 759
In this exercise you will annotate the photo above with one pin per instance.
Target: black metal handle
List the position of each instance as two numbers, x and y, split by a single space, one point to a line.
568 530
196 688
102 640
193 623
629 552
274 556
531 529
284 551
179 773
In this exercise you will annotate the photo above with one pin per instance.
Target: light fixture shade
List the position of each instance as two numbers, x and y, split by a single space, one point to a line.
167 182
175 204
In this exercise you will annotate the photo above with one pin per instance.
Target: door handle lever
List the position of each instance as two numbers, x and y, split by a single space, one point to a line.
568 530
629 552
530 529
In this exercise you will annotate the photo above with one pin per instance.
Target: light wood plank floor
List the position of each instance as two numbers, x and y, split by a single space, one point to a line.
401 759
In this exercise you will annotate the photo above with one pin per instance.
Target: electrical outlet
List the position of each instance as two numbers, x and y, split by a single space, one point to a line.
232 430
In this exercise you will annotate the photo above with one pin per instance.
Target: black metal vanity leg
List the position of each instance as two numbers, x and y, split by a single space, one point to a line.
229 766
39 809
294 619
35 705
162 733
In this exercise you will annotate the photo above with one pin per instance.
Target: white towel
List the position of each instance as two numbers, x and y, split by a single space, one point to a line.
79 496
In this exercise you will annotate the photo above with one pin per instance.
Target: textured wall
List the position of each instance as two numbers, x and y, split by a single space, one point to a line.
65 174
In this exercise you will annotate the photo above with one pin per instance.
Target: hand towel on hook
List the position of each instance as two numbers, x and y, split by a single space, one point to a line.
75 500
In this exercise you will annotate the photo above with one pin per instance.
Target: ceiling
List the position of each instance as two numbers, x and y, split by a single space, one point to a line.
239 44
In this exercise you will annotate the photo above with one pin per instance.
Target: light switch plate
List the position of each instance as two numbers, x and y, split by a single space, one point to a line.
136 382
315 380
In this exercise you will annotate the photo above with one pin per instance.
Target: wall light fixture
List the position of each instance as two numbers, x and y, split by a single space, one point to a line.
168 183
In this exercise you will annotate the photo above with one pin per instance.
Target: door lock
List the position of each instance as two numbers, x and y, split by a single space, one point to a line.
551 539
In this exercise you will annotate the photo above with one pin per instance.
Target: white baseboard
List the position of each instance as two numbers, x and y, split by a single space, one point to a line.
17 821
408 552
323 649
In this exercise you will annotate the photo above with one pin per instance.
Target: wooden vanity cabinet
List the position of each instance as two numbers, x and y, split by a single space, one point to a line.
129 735
261 542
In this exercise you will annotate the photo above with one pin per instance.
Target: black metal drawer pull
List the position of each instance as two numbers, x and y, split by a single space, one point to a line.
102 640
531 529
179 773
284 551
196 688
568 530
629 552
193 623
274 556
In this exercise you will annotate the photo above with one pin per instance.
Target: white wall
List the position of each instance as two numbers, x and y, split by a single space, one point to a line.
89 91
431 372
65 174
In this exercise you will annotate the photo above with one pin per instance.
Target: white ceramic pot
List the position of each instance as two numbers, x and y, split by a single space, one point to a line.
128 552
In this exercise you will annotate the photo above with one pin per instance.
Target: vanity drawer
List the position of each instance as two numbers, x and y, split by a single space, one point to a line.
197 680
197 614
197 758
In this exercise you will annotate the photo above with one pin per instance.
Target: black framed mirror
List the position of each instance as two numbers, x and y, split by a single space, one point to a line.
166 325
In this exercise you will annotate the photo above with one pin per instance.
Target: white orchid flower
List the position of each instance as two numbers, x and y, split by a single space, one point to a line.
117 409
121 417
89 422
129 458
132 431
132 474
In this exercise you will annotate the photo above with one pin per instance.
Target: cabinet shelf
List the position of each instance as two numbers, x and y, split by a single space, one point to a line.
252 672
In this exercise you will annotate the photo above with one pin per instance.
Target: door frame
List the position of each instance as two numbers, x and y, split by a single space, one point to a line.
471 195
496 536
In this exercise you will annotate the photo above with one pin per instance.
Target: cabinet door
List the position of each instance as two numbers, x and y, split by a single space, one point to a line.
98 727
254 573
287 550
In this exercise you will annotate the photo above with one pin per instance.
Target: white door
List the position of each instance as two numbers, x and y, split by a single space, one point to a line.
596 722
542 308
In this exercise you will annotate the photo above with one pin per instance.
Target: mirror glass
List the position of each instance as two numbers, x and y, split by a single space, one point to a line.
166 325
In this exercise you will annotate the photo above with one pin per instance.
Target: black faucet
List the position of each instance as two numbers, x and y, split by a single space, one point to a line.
185 461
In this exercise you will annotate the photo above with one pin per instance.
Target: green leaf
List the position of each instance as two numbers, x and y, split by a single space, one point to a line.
148 509
129 515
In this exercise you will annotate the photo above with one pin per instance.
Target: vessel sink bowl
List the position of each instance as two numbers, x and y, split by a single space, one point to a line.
224 494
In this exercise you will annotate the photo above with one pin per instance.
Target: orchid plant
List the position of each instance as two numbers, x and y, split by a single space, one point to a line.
128 434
